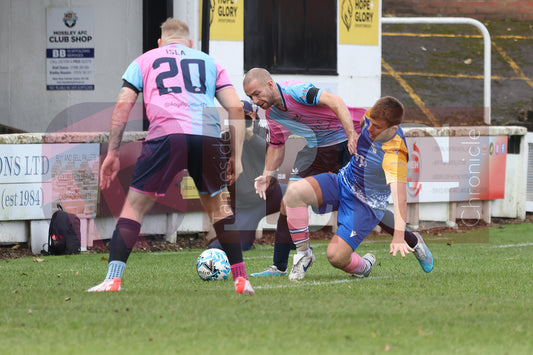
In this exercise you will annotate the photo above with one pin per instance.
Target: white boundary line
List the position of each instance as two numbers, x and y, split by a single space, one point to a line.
503 246
508 246
319 283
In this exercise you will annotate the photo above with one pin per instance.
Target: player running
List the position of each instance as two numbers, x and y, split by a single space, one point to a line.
179 85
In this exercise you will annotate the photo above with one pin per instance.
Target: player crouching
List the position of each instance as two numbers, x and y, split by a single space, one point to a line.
359 192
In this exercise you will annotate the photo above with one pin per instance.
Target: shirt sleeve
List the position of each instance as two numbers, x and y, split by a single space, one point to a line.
306 94
133 75
395 160
223 81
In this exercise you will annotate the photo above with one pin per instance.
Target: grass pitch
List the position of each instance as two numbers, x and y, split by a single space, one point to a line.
477 300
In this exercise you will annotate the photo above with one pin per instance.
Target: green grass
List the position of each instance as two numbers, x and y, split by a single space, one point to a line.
477 300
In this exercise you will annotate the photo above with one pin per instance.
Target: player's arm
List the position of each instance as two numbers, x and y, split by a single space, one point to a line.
275 155
229 99
111 165
126 99
273 160
395 169
399 198
337 105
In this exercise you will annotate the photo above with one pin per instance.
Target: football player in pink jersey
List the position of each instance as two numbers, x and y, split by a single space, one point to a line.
330 129
179 85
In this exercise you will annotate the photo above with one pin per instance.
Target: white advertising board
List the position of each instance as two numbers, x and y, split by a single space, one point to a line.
69 48
34 177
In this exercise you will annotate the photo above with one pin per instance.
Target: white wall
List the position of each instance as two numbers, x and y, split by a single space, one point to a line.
358 66
27 105
24 101
359 69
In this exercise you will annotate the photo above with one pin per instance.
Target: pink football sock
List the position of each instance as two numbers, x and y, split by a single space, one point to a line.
238 270
356 265
298 221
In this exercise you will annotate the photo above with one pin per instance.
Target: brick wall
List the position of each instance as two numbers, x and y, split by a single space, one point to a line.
479 9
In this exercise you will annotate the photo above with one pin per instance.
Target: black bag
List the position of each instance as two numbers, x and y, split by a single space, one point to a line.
64 233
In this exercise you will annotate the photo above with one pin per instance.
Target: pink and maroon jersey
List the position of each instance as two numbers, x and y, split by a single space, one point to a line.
179 86
303 116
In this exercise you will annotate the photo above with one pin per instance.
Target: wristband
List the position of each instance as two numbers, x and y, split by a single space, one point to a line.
270 173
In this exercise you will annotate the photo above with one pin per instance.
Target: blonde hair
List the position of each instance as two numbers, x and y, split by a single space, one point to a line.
174 29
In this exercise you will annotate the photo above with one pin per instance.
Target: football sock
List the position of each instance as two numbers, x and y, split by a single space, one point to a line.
387 224
356 265
410 238
282 243
229 239
304 247
238 270
115 269
123 240
298 221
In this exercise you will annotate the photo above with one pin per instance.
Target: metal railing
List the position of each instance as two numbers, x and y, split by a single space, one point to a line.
459 21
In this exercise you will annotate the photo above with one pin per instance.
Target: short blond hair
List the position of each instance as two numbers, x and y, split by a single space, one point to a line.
174 28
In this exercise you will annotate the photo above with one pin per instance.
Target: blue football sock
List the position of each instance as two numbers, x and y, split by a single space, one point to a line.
115 269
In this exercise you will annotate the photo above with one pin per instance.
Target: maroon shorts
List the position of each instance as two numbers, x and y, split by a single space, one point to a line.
205 158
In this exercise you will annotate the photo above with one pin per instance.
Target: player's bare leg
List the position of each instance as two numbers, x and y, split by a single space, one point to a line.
299 196
341 255
218 208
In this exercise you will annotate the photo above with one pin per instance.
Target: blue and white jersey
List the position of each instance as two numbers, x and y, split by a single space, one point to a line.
374 166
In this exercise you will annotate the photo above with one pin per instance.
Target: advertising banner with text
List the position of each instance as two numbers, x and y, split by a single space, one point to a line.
444 169
34 177
226 20
359 22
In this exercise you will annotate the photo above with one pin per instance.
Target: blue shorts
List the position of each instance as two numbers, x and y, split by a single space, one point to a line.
161 159
355 219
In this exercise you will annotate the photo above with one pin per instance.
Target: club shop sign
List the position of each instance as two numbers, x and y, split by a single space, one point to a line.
69 48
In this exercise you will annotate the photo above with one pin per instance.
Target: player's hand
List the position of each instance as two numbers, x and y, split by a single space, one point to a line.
402 247
233 171
109 170
261 185
352 142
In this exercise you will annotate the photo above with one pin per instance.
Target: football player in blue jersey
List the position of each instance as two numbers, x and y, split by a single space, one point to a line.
360 192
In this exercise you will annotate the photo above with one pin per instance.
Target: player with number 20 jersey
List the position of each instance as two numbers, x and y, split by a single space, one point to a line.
171 78
179 86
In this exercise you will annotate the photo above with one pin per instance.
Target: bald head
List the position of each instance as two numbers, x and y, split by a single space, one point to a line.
261 75
261 88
